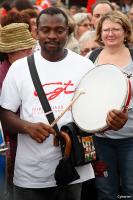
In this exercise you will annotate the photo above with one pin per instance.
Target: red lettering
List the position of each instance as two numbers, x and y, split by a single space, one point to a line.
64 88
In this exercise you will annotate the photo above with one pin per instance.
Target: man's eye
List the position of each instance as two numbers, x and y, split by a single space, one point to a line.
45 30
60 31
56 31
97 16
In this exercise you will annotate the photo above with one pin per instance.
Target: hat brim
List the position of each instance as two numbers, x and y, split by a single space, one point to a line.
17 46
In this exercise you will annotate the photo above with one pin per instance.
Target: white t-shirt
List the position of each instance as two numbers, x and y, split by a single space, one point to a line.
35 163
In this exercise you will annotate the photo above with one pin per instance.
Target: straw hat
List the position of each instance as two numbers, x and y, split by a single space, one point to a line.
15 37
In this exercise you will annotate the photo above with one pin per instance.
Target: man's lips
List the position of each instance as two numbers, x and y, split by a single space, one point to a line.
52 43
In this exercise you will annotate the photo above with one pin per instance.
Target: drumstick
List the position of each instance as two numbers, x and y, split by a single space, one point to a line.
56 120
3 149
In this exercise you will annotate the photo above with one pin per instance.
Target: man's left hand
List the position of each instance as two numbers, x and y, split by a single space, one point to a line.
116 119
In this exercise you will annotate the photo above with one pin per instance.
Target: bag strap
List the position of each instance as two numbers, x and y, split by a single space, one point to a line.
131 52
40 91
97 51
95 54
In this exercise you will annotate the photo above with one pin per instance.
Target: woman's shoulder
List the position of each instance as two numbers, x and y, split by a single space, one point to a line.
94 54
131 52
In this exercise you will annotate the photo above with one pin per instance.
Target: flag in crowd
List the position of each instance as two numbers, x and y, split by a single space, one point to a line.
89 5
43 3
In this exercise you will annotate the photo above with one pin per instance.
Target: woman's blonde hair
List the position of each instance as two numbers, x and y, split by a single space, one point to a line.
117 17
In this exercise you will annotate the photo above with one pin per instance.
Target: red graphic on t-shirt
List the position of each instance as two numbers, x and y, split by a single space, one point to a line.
60 87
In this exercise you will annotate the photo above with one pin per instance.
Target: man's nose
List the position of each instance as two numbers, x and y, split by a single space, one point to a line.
52 34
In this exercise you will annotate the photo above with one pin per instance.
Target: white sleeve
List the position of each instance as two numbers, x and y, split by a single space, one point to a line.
10 95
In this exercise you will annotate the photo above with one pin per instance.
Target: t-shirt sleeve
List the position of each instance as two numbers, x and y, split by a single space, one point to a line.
10 95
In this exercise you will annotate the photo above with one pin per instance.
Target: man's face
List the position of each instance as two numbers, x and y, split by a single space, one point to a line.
33 27
98 12
52 33
12 57
73 10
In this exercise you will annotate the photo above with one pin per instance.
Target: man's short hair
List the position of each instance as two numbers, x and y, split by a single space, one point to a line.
102 2
52 11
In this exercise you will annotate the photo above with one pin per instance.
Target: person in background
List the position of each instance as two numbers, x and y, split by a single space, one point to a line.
87 42
125 5
82 21
19 46
15 43
72 43
130 14
83 10
88 46
99 9
11 17
22 17
73 10
36 157
19 5
6 6
116 6
115 148
15 17
57 3
32 16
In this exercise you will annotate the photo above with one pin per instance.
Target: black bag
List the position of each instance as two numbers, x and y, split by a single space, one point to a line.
93 56
82 148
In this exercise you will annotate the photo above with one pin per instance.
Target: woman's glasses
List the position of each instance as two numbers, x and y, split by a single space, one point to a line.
113 30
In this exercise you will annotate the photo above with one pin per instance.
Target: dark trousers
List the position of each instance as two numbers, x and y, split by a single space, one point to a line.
118 155
71 192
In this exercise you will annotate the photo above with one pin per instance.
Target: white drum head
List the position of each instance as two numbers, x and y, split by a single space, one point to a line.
105 89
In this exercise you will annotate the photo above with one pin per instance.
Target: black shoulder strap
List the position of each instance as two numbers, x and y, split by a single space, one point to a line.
40 91
94 54
131 52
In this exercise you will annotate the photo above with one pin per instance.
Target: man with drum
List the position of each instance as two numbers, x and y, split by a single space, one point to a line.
60 71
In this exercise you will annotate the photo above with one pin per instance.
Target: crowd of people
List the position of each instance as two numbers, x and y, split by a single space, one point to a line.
63 42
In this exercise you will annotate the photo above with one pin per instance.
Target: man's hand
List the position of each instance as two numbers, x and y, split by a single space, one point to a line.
116 119
39 131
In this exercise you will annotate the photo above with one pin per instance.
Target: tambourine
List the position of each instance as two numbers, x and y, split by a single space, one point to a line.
105 88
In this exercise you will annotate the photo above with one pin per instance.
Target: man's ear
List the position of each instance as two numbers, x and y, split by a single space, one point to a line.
70 29
10 57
